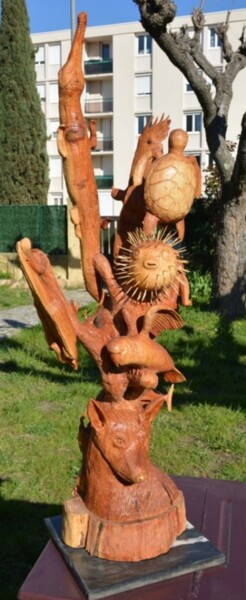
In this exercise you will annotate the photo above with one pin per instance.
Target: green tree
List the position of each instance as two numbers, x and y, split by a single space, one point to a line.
23 156
186 54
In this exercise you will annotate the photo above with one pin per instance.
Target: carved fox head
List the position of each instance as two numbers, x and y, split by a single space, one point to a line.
122 433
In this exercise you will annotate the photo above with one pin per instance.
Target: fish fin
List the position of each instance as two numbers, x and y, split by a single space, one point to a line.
174 376
165 319
158 318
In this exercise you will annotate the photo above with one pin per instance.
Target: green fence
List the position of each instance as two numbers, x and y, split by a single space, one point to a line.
46 226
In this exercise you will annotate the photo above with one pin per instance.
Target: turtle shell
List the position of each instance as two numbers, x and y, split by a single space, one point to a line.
170 188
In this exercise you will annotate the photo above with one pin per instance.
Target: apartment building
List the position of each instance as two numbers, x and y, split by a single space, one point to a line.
129 79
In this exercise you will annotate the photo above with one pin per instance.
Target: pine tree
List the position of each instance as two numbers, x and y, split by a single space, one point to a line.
23 156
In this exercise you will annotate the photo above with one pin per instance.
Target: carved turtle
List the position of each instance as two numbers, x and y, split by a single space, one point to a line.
173 182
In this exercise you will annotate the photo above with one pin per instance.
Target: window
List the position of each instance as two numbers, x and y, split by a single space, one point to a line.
105 51
41 91
53 126
55 54
143 85
193 122
214 40
39 55
57 200
55 166
54 97
188 87
141 121
144 44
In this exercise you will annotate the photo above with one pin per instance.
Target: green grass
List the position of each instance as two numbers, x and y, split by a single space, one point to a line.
11 297
41 402
5 275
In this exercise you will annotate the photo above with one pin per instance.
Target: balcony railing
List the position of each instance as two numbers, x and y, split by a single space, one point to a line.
98 67
104 182
100 105
105 144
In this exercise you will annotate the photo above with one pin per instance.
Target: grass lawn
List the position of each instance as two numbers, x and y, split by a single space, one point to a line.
41 402
11 297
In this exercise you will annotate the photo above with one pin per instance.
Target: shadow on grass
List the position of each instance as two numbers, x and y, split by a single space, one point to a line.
52 370
23 537
217 374
213 365
63 376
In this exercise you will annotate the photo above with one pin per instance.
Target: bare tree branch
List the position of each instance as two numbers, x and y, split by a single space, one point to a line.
155 16
221 30
198 21
192 44
157 13
242 39
186 54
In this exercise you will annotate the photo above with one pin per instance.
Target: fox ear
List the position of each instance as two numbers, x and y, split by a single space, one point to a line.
97 414
152 408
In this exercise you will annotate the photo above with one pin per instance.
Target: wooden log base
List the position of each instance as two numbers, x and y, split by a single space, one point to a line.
122 541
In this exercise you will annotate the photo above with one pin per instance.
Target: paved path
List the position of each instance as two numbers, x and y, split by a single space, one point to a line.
13 320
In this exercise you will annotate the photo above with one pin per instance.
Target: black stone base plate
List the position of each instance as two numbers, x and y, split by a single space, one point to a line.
100 578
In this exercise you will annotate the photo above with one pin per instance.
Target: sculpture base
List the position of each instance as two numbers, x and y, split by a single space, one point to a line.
100 578
122 540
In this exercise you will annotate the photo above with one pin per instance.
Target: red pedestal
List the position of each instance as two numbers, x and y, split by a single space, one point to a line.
216 508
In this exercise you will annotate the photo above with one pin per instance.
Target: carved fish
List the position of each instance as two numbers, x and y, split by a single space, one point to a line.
141 351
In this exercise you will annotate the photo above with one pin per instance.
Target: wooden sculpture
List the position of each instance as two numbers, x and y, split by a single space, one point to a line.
123 508
133 212
56 314
173 183
74 143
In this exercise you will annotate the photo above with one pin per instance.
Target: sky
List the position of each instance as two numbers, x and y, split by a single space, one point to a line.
48 15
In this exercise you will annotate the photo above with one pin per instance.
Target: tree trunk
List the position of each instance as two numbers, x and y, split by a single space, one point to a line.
230 267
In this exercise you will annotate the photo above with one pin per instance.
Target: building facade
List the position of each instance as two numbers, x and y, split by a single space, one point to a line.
128 80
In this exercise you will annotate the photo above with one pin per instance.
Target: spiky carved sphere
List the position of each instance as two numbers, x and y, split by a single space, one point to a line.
148 266
153 265
171 184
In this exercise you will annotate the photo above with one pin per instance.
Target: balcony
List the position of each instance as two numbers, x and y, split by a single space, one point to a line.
98 67
100 105
104 144
104 182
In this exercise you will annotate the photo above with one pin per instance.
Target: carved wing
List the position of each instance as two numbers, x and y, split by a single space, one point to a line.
157 320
